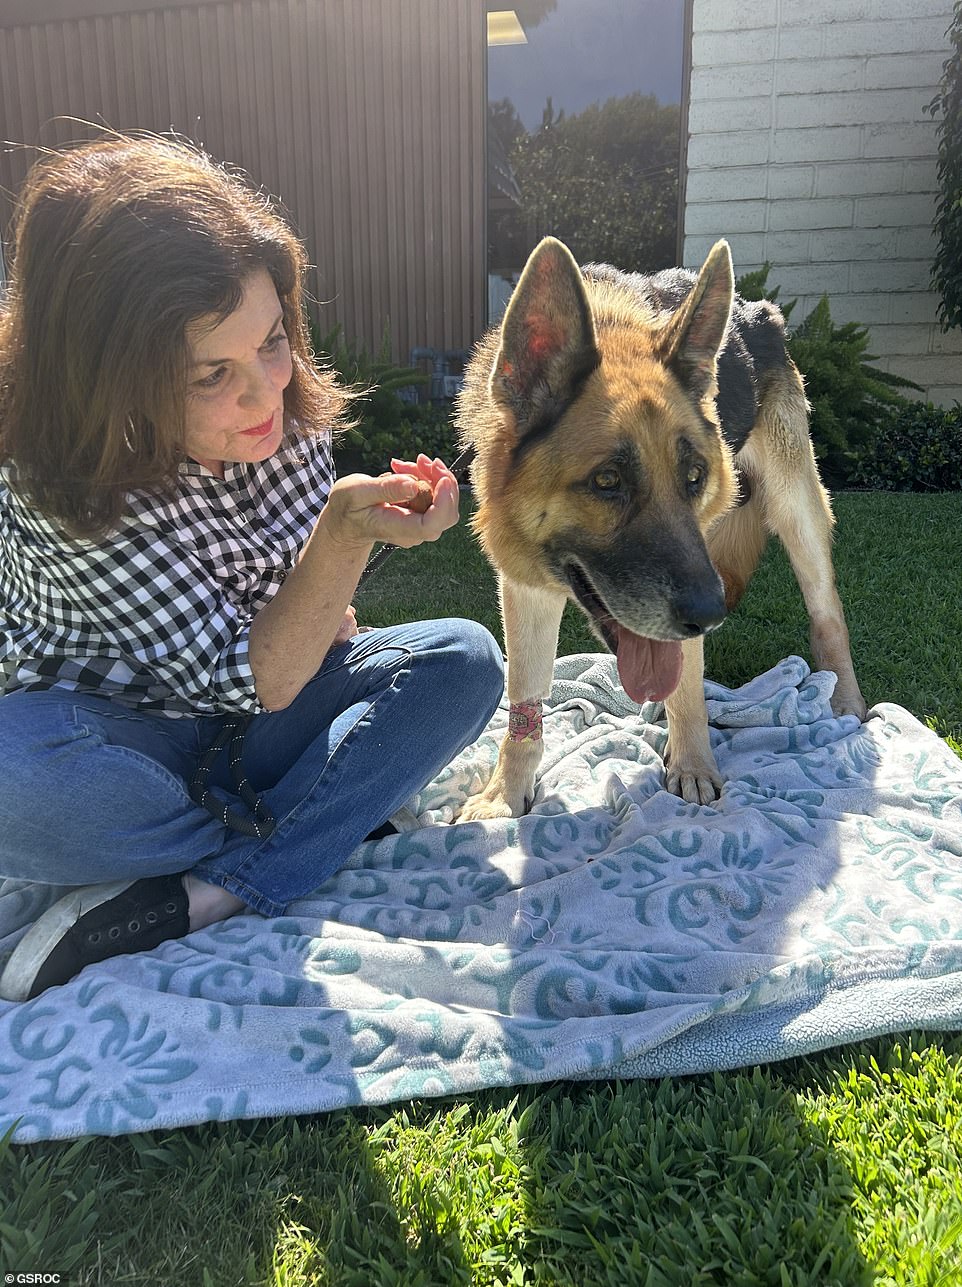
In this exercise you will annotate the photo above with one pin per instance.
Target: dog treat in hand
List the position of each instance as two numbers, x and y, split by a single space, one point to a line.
421 500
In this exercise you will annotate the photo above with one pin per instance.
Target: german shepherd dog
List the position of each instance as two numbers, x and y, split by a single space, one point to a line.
637 438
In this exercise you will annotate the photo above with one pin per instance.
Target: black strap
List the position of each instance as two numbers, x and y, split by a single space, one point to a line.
259 821
463 463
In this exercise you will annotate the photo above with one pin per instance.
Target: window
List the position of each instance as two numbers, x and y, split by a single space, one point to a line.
584 133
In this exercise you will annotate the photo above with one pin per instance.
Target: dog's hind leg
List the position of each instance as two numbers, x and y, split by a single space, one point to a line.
531 619
797 509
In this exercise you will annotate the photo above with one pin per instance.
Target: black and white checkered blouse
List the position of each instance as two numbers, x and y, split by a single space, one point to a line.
157 613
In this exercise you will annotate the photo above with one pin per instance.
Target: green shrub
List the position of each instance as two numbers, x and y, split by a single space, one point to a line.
386 424
356 367
426 428
916 448
848 396
754 286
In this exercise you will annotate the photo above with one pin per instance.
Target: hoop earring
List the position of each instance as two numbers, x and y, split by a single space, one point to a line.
130 435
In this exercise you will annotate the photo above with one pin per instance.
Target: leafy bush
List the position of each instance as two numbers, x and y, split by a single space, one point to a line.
359 369
754 286
917 447
426 428
848 396
386 423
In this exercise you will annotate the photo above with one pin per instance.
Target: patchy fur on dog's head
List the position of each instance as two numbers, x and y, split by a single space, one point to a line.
600 463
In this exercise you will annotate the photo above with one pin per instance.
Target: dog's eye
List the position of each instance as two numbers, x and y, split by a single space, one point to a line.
606 480
695 479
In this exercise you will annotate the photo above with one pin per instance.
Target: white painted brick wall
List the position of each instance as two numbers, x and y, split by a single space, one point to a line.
809 147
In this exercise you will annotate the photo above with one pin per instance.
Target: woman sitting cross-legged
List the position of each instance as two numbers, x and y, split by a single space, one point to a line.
177 563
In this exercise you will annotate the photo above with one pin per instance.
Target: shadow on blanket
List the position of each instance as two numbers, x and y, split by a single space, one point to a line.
616 931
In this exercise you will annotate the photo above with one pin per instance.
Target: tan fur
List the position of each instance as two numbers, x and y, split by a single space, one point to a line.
542 490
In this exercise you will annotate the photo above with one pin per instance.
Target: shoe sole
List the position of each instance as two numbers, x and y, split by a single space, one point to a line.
405 819
39 941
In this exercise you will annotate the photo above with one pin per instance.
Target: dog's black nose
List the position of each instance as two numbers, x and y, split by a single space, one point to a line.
698 611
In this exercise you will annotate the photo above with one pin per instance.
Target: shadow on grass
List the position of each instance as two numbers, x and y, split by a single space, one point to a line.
287 1201
709 1180
697 1182
713 1181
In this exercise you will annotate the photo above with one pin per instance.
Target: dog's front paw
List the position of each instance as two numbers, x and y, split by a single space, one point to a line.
479 809
694 778
511 788
849 702
493 802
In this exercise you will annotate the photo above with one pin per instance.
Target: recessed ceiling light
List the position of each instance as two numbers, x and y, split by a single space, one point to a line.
505 29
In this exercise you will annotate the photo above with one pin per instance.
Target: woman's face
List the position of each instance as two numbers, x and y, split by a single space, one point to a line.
238 370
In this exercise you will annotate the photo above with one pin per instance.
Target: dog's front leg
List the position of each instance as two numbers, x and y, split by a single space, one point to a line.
531 619
691 771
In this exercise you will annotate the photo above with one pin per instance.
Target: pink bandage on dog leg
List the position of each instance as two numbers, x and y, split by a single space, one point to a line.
524 721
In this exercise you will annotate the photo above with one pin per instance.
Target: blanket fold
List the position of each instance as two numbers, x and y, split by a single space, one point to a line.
613 931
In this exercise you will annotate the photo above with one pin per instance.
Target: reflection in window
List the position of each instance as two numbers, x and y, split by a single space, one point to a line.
584 119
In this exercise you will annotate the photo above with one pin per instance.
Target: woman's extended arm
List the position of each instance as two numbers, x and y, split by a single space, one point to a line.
291 635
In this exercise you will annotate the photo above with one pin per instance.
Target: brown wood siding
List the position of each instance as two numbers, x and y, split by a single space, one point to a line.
366 117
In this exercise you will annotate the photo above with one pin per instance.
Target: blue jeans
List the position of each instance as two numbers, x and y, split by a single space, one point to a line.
93 791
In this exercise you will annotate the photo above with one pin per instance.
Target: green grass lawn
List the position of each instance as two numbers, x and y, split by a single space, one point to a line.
844 1169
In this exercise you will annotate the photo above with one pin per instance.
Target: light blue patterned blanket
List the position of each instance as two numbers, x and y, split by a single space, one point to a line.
614 932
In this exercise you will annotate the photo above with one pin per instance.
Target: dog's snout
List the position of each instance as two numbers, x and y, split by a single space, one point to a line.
697 612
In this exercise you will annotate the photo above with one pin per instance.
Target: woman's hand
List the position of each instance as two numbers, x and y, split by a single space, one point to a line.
361 510
291 635
432 471
348 627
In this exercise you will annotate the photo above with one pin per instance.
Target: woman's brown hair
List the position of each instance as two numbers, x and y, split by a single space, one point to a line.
117 246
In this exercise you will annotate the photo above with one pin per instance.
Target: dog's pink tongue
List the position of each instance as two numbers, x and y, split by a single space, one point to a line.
649 668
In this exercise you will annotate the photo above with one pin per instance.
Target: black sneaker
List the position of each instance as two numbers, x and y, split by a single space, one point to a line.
403 820
91 924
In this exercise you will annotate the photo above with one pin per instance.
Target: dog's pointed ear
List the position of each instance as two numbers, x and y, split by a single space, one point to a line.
548 343
692 338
